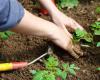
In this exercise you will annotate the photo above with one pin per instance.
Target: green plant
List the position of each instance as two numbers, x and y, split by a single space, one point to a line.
54 70
79 35
51 62
98 44
67 3
70 68
95 27
5 35
98 68
97 10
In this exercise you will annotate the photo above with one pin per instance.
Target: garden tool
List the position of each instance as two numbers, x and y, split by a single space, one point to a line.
18 65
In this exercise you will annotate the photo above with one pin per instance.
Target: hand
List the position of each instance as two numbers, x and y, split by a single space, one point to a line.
61 20
63 40
30 24
60 35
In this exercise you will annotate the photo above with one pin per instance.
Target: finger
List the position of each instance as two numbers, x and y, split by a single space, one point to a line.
73 24
71 51
78 50
77 25
66 31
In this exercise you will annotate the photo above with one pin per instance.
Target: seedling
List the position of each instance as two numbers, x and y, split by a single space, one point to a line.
95 27
67 3
79 35
98 44
5 35
54 70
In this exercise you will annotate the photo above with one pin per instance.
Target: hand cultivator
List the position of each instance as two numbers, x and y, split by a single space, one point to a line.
18 65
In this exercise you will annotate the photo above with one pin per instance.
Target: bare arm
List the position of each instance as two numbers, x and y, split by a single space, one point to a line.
58 17
48 4
31 24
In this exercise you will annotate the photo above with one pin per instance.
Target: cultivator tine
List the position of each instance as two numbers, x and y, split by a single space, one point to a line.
49 51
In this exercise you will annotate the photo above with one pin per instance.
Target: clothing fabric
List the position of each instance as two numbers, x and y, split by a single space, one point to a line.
11 12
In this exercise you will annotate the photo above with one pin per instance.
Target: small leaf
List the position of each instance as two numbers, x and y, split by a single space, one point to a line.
50 76
72 66
65 66
95 25
98 68
72 72
64 75
82 35
51 62
98 44
3 36
67 3
9 33
97 32
58 72
40 75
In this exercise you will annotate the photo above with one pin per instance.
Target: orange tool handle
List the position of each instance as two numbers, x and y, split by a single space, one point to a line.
12 66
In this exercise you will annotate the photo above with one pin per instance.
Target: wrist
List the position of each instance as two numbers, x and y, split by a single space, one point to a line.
53 11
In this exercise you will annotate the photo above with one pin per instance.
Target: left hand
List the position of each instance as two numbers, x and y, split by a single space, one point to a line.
61 20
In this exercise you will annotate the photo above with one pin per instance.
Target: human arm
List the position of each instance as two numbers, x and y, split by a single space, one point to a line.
58 17
30 24
27 23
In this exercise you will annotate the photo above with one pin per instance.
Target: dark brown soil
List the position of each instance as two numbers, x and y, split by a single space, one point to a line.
26 48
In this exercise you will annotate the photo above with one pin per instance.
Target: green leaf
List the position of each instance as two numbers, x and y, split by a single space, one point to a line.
9 33
62 74
3 36
82 35
58 72
72 66
95 26
50 76
88 37
65 66
51 62
67 3
40 75
79 33
72 71
97 32
97 10
98 44
98 68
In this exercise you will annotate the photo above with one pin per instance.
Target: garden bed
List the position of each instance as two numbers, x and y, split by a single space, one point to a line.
26 48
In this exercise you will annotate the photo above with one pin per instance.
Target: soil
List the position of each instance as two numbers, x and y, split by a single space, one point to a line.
27 47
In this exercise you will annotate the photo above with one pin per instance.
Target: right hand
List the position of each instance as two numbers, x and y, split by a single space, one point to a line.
65 41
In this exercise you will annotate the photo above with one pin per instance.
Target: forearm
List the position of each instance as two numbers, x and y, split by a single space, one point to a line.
49 5
30 24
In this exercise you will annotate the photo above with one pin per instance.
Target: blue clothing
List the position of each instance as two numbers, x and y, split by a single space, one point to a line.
11 12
